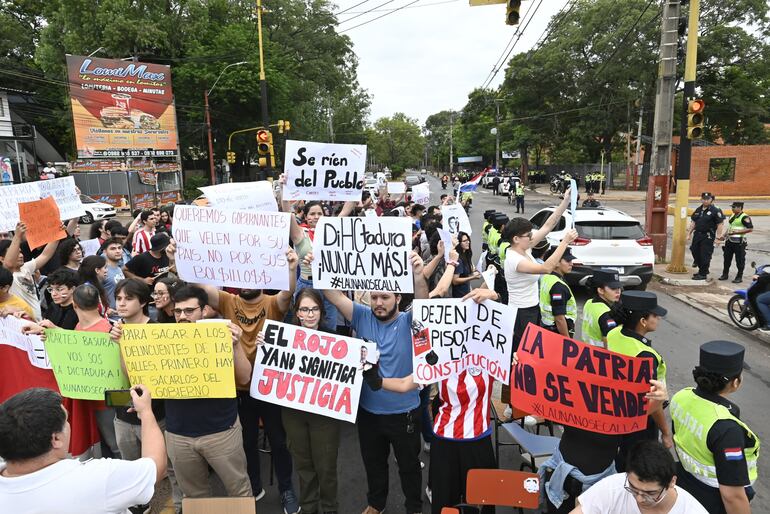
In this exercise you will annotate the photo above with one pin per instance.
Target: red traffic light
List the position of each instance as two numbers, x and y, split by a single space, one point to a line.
263 136
696 106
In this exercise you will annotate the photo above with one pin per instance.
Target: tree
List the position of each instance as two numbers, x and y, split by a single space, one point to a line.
396 142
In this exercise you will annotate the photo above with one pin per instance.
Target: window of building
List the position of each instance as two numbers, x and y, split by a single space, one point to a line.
722 169
2 107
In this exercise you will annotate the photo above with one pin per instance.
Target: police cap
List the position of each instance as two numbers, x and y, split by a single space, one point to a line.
724 357
738 204
542 244
605 278
488 213
707 196
642 301
567 255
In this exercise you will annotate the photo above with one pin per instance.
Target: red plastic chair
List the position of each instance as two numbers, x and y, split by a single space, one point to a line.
450 510
502 487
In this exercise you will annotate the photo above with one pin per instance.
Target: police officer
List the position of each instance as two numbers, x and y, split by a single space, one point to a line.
602 181
519 196
485 229
558 308
706 230
600 312
717 452
642 315
591 201
739 224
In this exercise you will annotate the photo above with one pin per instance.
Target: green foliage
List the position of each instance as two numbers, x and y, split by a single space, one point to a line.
396 142
191 185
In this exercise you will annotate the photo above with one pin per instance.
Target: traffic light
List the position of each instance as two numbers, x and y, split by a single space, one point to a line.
230 157
695 118
512 8
284 126
264 142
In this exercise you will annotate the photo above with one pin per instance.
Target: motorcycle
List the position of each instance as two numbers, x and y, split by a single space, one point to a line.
740 309
557 185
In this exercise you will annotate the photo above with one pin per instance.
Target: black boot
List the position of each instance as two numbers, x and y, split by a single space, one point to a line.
738 278
723 276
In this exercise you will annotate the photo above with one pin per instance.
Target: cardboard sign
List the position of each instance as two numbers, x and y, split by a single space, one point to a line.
451 335
180 360
454 219
580 385
396 188
421 194
90 246
246 196
308 370
323 171
363 254
42 220
62 189
85 363
11 335
224 247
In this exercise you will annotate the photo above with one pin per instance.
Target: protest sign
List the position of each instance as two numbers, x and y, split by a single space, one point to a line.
42 220
225 247
446 238
396 188
455 220
66 195
11 335
90 246
482 261
324 171
180 360
421 194
451 335
580 385
363 254
309 370
246 196
85 363
489 277
62 189
573 198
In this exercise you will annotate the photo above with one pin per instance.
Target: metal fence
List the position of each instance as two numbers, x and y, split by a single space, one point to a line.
617 173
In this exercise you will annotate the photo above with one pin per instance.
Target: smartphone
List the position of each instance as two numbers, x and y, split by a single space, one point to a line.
118 398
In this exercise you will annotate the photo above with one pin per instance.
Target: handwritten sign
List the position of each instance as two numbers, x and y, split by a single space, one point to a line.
363 254
580 385
246 196
446 238
11 335
85 363
90 246
421 194
323 171
396 188
232 248
180 360
62 189
455 220
309 370
42 220
451 335
65 193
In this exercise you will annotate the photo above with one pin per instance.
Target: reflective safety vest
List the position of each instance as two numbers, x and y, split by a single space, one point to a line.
592 311
519 189
546 310
736 223
621 343
492 240
693 417
485 232
502 250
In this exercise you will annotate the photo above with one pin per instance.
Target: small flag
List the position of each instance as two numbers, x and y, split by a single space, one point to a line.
733 453
611 323
556 296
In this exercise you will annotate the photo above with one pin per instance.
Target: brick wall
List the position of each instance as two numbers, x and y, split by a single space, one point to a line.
752 170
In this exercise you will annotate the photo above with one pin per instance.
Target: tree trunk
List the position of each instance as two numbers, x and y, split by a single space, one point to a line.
524 151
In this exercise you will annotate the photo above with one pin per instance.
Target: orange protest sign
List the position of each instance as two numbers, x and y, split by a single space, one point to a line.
580 385
42 220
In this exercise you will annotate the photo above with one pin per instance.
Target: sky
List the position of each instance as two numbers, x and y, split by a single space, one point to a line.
427 58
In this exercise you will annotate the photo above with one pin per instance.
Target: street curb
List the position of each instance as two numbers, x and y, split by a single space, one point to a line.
688 282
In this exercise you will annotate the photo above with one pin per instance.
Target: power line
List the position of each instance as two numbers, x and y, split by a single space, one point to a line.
366 12
381 16
349 8
623 39
559 18
413 7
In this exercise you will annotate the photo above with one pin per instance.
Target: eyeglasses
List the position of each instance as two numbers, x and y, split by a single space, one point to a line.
309 310
59 291
158 295
646 496
528 235
189 311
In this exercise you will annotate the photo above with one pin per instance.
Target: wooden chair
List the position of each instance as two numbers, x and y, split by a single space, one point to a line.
500 487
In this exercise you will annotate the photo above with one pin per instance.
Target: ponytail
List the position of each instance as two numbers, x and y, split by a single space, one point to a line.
709 381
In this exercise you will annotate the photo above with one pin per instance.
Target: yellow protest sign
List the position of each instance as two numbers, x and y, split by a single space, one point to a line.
180 360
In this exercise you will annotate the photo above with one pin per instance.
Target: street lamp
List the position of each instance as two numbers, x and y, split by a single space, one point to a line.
206 94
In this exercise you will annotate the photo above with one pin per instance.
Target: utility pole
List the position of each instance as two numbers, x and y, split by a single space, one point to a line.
660 164
685 145
211 144
262 84
497 134
638 158
330 121
451 142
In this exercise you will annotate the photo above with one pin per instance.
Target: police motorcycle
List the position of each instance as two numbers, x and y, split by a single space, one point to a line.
558 183
742 307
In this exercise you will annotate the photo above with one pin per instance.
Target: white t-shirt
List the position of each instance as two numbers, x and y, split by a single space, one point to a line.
608 496
523 290
23 286
97 486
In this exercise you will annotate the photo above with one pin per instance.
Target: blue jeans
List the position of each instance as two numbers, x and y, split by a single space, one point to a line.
330 319
763 304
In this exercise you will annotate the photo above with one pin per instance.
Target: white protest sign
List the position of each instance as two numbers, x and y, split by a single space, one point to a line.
446 237
309 370
396 188
11 335
225 247
451 335
573 198
10 198
421 194
246 196
482 261
454 219
90 246
62 189
363 254
489 277
324 171
370 213
65 193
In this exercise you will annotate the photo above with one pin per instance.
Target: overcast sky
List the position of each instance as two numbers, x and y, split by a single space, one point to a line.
422 60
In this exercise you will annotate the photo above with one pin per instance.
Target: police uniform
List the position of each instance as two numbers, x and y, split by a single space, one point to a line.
713 445
485 229
602 179
519 197
736 243
556 299
706 221
599 317
626 341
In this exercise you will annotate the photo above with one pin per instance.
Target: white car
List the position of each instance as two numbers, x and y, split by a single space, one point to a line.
95 211
607 238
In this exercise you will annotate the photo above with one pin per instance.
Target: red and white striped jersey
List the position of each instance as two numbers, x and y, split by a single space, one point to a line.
141 242
464 411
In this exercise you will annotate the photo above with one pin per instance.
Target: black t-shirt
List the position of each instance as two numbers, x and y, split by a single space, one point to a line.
62 317
158 409
199 417
590 452
707 220
145 265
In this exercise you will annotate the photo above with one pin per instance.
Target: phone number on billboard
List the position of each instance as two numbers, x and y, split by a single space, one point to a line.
133 153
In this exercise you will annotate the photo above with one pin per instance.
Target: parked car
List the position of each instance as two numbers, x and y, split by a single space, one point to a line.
413 180
487 180
95 211
607 238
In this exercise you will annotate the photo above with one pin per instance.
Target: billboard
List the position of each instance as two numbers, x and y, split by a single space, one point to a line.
121 108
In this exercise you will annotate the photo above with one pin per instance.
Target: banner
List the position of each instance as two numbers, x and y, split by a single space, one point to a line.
324 171
421 194
223 247
121 108
246 196
309 370
580 385
180 360
43 222
143 200
11 335
362 254
85 363
396 188
451 335
454 219
62 189
66 195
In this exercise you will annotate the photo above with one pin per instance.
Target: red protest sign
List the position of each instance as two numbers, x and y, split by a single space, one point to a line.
580 385
42 220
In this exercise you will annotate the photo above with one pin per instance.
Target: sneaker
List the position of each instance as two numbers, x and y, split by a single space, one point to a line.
426 447
429 493
371 510
259 495
507 413
289 502
140 509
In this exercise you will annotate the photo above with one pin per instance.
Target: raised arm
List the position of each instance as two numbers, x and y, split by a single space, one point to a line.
551 222
72 225
341 301
284 297
535 268
447 279
12 253
420 284
153 445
